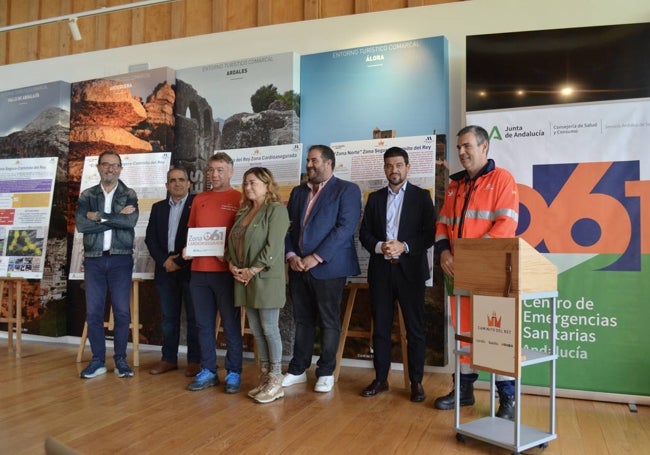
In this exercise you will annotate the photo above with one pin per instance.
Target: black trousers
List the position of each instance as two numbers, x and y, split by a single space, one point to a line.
393 286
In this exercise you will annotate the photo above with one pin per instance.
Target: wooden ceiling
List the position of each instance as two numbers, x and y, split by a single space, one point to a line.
178 19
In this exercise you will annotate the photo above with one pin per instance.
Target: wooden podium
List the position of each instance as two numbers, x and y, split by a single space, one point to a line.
498 275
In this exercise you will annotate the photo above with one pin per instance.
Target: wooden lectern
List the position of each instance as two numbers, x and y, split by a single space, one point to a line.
498 275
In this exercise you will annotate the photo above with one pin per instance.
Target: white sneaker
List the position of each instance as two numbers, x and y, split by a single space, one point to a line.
324 384
292 379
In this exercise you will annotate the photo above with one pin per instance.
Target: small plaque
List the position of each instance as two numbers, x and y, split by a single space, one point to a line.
210 241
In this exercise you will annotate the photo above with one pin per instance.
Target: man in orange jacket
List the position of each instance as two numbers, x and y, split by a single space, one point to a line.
480 201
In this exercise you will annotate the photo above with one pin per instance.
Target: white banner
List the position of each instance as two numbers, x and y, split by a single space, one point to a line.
584 182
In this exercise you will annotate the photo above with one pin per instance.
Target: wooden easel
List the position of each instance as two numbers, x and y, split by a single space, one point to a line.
14 311
353 288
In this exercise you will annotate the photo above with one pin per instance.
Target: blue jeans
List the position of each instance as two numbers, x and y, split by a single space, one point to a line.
212 292
174 290
315 300
112 274
264 324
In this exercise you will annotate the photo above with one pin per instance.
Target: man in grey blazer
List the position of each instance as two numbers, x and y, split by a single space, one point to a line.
324 213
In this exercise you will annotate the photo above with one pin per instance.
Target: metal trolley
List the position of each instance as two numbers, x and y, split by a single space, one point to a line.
511 435
526 275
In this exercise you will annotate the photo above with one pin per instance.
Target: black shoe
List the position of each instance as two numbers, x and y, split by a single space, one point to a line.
417 392
506 407
375 388
466 397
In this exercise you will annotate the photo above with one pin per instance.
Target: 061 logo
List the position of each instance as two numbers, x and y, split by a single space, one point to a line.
588 208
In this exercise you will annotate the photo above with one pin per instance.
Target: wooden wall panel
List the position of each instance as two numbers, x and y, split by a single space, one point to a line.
121 29
50 36
241 14
18 43
87 27
159 22
178 18
4 20
137 26
198 17
284 11
383 5
333 8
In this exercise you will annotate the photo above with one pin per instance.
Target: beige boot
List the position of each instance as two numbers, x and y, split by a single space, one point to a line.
264 377
272 389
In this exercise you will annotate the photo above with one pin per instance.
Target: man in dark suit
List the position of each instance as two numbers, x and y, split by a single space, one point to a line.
166 238
324 214
397 229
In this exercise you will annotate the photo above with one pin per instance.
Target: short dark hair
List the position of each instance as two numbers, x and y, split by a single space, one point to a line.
326 153
396 151
221 156
479 132
178 168
109 152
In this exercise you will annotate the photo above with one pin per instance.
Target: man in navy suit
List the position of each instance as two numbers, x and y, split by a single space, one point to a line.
319 247
166 237
397 229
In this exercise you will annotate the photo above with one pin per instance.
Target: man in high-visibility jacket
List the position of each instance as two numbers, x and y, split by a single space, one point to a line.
480 201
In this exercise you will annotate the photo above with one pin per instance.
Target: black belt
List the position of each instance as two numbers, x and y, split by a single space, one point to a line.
106 253
394 261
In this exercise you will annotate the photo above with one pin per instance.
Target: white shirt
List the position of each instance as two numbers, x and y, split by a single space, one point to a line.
108 201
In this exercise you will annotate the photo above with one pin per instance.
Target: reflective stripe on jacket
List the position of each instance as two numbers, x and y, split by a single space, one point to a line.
485 206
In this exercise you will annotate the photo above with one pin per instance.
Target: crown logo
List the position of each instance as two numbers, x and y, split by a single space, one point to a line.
493 321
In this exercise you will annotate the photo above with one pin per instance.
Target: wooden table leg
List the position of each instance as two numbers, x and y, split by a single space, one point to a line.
344 328
135 321
19 317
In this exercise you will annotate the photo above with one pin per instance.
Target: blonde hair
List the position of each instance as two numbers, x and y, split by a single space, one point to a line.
265 176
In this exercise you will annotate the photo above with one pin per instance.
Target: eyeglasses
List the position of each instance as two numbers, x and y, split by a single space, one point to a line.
110 165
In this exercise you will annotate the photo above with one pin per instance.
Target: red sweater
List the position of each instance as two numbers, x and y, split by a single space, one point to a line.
213 209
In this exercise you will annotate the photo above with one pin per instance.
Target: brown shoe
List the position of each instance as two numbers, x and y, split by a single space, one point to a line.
163 367
192 370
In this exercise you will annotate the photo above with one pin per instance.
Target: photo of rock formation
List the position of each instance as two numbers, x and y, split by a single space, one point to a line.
34 122
245 103
128 113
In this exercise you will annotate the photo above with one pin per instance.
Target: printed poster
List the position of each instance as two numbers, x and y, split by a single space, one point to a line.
146 174
252 102
26 188
35 123
388 90
362 162
284 162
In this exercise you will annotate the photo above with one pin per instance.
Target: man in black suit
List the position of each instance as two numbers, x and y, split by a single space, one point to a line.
397 229
166 238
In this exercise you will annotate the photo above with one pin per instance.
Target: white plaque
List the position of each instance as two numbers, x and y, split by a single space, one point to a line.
494 333
207 241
